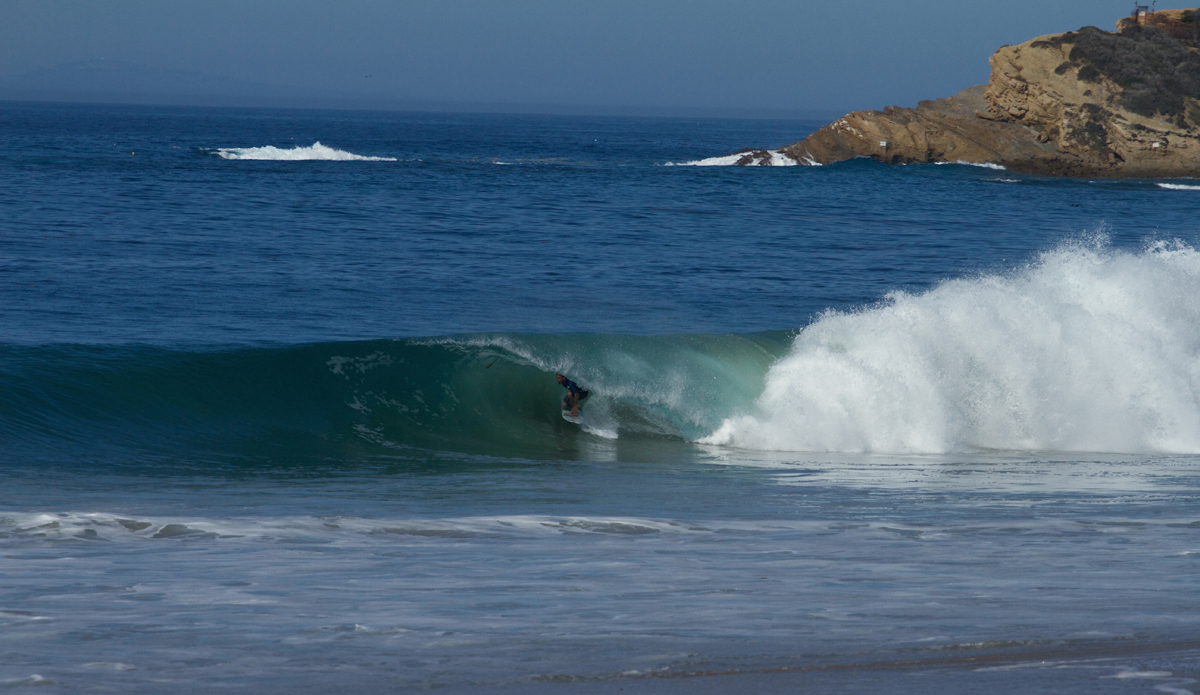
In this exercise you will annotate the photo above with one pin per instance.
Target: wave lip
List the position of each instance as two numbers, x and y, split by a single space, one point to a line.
296 154
1087 349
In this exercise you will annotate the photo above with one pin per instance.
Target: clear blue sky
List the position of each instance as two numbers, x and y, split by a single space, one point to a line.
702 54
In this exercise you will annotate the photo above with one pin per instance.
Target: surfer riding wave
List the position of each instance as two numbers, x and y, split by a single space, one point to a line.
575 395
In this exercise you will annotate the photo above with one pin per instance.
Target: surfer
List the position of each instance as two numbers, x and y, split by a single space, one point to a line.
574 395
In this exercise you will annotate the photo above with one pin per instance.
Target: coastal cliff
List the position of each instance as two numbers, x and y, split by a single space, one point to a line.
1082 103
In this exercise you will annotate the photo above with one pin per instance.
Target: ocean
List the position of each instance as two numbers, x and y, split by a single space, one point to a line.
278 412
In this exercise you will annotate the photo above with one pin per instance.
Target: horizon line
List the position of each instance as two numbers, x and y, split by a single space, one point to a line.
218 101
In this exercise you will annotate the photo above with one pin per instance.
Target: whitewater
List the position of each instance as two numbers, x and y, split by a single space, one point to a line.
316 151
1085 349
282 418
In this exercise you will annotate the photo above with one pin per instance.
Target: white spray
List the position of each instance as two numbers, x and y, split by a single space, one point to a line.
1087 349
298 153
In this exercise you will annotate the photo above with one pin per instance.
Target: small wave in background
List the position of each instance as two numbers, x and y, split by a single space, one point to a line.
982 165
773 158
1085 349
316 151
777 158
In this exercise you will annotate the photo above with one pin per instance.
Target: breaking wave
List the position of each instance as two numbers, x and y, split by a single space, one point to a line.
1178 187
774 158
315 152
492 394
778 158
982 165
1086 349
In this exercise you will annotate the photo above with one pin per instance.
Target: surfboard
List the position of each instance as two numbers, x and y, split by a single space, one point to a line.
577 419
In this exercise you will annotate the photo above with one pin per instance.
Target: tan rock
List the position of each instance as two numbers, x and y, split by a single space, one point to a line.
1053 105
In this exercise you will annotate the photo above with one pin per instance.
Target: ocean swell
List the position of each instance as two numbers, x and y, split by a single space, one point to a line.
1086 349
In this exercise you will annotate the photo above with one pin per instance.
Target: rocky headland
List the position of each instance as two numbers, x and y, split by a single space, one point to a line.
1082 103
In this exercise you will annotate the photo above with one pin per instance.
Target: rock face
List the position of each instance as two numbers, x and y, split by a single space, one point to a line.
1085 103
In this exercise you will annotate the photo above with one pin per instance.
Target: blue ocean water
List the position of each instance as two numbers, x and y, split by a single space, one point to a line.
277 411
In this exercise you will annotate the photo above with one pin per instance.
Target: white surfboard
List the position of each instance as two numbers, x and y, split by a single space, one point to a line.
593 423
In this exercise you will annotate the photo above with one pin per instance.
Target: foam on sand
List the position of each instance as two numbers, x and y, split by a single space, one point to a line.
1086 349
316 152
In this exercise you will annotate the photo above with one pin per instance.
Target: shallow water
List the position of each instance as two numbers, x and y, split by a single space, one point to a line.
509 573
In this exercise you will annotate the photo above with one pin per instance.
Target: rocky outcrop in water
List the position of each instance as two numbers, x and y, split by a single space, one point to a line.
1083 103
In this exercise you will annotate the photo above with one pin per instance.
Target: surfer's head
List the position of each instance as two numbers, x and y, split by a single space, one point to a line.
559 378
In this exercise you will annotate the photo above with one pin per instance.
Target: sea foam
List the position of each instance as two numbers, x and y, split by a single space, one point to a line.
316 151
982 165
1086 349
1178 187
774 158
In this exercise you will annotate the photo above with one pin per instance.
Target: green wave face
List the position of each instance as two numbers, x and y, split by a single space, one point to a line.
484 394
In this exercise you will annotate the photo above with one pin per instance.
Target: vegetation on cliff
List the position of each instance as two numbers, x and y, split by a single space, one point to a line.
1083 103
1157 73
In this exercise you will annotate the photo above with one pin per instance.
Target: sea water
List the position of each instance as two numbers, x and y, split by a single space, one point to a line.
278 412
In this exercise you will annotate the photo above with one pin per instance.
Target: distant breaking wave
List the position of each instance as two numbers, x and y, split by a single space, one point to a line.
1178 187
296 154
983 165
778 158
773 158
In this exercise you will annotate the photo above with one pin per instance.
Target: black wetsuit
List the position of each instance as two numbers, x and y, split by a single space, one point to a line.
573 388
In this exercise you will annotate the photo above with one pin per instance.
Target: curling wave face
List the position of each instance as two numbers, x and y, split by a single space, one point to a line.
1087 349
483 394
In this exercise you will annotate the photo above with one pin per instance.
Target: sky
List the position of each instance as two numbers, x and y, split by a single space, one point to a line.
756 56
